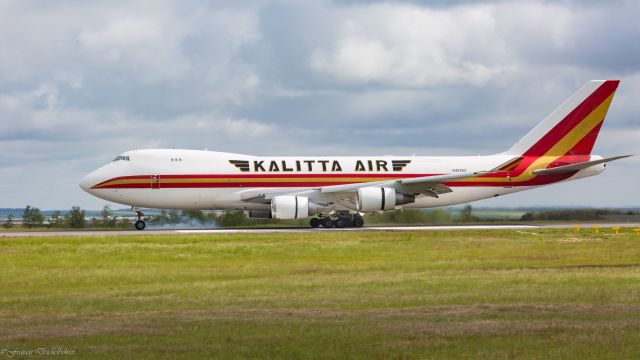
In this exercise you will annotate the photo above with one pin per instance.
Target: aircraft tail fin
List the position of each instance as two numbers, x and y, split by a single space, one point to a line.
573 127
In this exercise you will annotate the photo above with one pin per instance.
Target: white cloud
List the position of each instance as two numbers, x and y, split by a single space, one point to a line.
357 59
390 102
38 114
149 47
410 45
406 45
212 123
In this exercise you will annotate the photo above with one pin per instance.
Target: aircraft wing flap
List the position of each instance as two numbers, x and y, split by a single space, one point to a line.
253 197
443 178
576 167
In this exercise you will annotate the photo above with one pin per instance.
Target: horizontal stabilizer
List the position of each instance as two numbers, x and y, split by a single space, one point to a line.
576 167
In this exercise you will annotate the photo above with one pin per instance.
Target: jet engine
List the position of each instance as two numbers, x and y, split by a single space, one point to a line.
259 214
379 199
294 207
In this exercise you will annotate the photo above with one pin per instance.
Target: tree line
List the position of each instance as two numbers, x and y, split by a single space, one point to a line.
75 218
574 214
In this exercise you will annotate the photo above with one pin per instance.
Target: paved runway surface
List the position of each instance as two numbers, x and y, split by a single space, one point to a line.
151 231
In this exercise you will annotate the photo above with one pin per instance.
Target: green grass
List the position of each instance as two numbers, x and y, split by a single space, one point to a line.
445 294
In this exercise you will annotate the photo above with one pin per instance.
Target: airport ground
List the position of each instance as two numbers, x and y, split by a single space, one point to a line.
508 293
211 229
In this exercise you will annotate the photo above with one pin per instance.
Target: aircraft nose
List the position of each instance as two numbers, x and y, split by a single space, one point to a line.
88 181
85 184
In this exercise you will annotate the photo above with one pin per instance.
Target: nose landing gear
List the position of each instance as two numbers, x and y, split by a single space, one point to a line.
140 224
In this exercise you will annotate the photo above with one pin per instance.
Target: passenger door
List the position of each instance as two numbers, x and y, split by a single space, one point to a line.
155 181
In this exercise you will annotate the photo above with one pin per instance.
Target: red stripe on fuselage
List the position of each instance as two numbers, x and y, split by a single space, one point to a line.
262 176
327 180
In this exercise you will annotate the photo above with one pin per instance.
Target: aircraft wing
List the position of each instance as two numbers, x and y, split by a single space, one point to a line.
576 167
427 185
399 184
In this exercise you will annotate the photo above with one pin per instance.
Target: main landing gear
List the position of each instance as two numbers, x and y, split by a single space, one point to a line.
140 224
340 219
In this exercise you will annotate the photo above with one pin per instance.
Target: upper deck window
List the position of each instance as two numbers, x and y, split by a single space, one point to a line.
121 157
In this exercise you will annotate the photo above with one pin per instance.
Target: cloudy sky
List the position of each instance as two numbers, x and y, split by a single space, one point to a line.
82 81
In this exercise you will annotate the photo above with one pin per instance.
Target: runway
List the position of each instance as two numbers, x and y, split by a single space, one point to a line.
154 232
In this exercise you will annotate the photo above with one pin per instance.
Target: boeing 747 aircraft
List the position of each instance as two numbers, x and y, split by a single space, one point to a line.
336 191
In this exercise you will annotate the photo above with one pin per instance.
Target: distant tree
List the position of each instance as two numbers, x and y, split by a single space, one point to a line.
438 216
95 222
32 217
466 213
75 218
105 215
174 217
212 216
233 218
125 223
56 220
410 216
161 218
195 215
7 224
570 214
527 216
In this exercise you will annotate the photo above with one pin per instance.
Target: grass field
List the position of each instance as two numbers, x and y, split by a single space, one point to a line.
405 295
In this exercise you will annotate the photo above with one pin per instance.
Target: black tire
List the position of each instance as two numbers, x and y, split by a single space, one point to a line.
314 222
358 222
339 223
328 223
140 225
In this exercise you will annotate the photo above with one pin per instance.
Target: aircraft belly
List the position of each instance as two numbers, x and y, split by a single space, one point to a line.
193 199
186 199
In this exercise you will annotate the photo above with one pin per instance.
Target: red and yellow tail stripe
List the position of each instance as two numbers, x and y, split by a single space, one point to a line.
569 141
580 127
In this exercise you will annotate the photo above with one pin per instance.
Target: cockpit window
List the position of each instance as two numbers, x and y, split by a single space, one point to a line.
121 157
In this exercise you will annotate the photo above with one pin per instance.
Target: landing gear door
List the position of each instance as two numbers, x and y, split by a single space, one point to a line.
155 181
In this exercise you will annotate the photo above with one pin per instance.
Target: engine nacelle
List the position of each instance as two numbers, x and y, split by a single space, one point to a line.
380 199
260 214
289 207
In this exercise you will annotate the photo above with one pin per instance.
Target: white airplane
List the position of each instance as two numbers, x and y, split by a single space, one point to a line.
337 190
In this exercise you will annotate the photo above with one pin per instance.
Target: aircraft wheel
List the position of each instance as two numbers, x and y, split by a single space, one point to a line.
358 222
314 222
326 222
339 223
140 225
